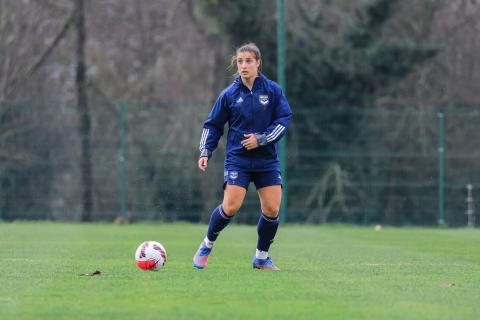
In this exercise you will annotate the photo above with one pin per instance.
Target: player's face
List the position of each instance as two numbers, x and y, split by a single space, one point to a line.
247 65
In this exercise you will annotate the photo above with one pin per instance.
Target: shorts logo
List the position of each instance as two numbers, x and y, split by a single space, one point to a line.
233 175
263 99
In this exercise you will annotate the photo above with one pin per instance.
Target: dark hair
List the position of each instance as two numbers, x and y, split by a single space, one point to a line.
247 47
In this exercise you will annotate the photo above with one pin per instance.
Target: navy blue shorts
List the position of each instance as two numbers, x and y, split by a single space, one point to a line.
260 179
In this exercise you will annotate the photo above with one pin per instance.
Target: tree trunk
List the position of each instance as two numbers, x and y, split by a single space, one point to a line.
84 114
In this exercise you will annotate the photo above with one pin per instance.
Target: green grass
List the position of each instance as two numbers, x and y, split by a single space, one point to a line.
328 272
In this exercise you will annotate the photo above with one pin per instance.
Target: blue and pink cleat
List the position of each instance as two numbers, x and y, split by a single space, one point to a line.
201 256
265 264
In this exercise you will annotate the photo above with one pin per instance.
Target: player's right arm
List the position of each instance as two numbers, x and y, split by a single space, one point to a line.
213 130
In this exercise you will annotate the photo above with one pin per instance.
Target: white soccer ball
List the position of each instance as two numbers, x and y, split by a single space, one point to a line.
151 255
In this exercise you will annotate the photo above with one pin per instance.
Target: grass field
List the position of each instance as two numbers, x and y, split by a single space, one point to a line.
328 272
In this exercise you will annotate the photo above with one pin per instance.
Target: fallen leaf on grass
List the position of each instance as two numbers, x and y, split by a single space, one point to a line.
447 285
94 273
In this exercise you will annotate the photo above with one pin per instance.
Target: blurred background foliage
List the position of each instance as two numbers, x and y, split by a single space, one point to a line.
365 80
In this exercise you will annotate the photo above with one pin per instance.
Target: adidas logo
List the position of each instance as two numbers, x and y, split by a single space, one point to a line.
240 100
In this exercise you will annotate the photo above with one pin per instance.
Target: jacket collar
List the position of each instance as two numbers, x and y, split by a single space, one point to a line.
256 83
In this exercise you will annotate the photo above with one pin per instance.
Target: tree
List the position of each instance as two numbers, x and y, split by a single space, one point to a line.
245 21
84 113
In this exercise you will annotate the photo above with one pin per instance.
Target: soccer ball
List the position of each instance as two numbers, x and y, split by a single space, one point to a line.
151 255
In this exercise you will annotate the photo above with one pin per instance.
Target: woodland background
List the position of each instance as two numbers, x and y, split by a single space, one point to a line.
366 79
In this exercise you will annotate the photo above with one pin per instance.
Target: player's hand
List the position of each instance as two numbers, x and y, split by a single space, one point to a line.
202 163
251 141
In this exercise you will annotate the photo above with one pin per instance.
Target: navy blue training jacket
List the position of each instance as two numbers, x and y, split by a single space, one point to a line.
263 111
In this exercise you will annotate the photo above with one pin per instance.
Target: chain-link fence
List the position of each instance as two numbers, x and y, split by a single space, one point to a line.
383 165
352 165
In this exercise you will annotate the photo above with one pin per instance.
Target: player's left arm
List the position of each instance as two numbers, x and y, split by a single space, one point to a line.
279 126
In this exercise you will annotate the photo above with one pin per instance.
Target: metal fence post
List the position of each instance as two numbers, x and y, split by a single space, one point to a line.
281 82
121 161
441 166
470 210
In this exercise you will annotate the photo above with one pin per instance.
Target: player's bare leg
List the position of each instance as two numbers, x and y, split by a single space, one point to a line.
233 197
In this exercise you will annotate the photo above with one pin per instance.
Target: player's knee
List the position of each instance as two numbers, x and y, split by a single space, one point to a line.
271 211
231 208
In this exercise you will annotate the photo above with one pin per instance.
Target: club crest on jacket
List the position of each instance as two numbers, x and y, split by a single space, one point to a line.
263 99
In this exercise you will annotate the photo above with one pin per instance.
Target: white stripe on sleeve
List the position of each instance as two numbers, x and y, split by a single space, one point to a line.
203 140
274 135
274 130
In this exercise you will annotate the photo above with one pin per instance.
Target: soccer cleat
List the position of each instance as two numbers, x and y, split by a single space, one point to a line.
266 264
201 256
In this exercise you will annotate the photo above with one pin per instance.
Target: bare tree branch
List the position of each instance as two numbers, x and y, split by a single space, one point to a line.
15 82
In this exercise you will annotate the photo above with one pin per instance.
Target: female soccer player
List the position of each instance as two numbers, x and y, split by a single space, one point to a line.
258 115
